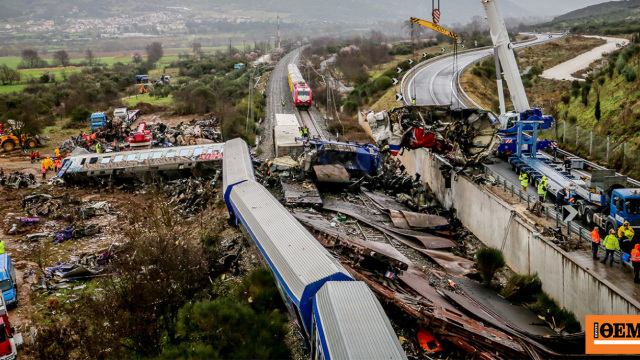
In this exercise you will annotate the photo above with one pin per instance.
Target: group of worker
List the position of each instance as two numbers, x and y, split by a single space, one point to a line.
304 132
612 242
50 163
542 191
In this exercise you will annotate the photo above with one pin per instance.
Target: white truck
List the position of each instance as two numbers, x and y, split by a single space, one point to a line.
285 132
127 116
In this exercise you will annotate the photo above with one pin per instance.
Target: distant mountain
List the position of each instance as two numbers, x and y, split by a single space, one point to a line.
354 11
614 17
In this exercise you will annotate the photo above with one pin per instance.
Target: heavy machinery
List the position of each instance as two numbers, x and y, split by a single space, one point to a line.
8 142
333 161
602 199
127 116
98 120
145 88
140 138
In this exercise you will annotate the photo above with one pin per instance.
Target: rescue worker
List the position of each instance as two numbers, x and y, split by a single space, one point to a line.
413 101
524 181
305 131
611 244
595 242
283 103
1 246
625 234
560 198
57 153
98 147
32 157
44 172
542 194
635 260
567 164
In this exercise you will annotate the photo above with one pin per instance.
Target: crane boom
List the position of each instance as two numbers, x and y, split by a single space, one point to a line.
501 41
435 27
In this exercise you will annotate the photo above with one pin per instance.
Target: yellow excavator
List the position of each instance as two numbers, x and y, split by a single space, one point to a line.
9 142
145 88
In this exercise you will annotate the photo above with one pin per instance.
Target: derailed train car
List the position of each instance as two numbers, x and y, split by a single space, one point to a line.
348 325
171 162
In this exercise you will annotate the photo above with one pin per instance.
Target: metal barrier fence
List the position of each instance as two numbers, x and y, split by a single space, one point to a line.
548 211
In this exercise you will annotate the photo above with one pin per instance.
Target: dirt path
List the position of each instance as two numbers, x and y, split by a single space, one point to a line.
565 70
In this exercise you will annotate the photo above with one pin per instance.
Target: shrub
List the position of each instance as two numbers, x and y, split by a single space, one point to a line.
565 99
552 313
401 49
488 261
383 83
350 107
572 119
522 288
629 73
80 114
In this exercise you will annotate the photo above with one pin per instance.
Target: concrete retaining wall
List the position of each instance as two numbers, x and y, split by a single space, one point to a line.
497 225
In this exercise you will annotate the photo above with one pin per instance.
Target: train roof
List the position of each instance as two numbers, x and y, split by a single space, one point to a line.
236 166
295 76
286 119
143 158
295 256
353 324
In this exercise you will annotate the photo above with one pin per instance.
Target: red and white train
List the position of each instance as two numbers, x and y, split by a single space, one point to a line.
300 91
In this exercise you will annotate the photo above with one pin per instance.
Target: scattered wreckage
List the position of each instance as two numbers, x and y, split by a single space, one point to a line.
465 136
17 180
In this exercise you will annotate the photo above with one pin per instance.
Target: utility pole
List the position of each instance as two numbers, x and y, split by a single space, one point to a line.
278 29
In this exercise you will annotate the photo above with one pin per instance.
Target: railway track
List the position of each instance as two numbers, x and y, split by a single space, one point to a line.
307 119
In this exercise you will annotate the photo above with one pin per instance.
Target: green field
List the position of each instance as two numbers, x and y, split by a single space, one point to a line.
145 98
5 89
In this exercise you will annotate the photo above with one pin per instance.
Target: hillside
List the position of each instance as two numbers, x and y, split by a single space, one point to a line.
353 11
614 17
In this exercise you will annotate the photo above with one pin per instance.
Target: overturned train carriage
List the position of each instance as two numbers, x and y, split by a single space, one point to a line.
172 162
338 317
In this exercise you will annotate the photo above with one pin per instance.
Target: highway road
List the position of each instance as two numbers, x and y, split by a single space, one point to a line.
434 83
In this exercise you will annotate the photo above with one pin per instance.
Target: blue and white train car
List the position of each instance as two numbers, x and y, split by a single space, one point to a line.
236 168
349 323
298 261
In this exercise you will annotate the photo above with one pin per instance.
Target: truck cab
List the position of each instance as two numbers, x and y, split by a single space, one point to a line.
625 206
98 120
8 283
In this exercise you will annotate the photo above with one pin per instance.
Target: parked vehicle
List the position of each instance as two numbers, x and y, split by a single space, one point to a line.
98 120
8 283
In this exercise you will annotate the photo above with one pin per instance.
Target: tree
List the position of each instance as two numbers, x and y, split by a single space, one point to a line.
197 46
137 58
88 55
30 57
61 57
154 52
596 111
8 75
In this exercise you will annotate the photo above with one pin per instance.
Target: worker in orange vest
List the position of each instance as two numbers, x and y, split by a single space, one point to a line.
595 242
635 260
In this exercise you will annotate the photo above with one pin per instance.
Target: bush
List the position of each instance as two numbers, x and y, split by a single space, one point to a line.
565 99
351 107
383 83
80 114
522 288
572 119
629 73
488 261
401 49
535 71
549 309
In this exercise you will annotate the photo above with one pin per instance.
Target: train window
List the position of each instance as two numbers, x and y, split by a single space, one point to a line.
131 157
198 151
144 156
118 158
171 154
82 161
93 160
105 160
209 150
157 154
184 152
